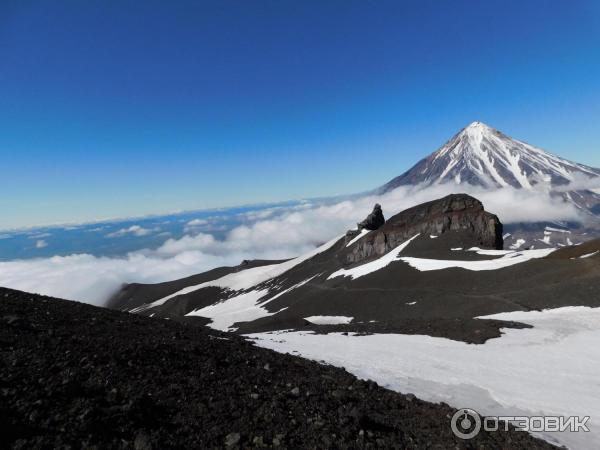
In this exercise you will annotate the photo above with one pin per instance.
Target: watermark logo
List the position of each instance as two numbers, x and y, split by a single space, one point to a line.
466 423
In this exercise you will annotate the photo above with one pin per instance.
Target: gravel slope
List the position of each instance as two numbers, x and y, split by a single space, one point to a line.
77 376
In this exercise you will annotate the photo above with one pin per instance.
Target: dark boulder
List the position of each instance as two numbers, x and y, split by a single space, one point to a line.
374 220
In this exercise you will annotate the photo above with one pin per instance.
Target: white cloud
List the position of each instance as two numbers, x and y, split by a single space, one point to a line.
197 222
290 233
95 230
39 236
41 244
580 182
193 226
261 213
93 279
134 230
521 205
509 204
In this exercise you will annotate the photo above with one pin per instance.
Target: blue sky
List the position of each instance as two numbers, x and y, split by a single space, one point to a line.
129 108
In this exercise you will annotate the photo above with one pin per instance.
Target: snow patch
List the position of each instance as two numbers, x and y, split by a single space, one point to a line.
244 279
241 308
518 244
329 320
509 259
489 252
244 307
550 369
558 230
546 238
373 266
362 233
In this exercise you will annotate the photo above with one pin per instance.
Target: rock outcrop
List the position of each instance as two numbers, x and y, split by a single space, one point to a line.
456 212
374 220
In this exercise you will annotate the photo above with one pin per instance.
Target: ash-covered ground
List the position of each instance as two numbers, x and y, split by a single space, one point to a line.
77 376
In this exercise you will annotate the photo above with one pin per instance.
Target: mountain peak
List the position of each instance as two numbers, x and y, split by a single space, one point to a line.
483 156
477 129
477 125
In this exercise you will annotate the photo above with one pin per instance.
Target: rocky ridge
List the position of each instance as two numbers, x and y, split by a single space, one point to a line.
455 212
372 222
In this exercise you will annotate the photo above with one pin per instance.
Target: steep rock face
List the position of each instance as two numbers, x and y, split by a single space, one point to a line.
456 212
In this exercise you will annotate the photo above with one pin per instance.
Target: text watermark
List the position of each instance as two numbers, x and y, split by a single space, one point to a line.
466 423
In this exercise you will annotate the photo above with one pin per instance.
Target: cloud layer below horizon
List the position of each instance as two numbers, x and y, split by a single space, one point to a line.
273 233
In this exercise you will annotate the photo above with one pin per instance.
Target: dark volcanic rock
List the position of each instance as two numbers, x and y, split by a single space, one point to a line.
374 220
77 376
456 212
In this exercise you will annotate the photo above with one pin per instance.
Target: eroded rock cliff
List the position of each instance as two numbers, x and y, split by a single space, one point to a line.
456 212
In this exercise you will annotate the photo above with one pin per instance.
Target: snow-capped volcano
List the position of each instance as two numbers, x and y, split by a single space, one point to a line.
483 156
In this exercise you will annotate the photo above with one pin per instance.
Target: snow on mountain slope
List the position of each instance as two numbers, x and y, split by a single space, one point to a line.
372 266
395 283
550 369
509 259
398 264
244 307
245 279
241 308
359 236
481 155
329 320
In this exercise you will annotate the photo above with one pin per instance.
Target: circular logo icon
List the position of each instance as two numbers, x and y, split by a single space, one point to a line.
466 423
